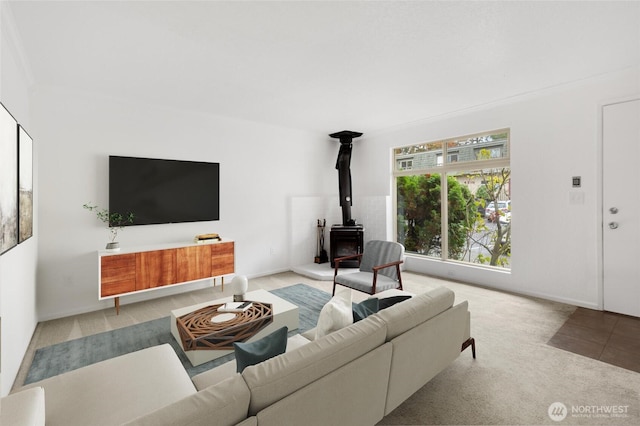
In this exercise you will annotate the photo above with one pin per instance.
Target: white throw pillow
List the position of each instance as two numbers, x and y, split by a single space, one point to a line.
336 314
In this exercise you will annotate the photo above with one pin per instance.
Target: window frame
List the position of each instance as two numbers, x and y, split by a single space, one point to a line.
444 170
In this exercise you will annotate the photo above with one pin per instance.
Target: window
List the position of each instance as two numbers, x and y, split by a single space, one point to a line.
406 164
459 209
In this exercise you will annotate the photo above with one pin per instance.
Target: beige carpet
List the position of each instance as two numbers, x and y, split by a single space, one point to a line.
517 376
513 381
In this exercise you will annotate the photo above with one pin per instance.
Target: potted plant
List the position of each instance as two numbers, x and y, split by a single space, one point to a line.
114 221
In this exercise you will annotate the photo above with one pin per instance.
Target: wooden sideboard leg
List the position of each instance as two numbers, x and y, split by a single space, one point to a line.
116 301
221 280
470 342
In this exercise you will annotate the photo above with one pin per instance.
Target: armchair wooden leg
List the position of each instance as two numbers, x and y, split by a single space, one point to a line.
470 342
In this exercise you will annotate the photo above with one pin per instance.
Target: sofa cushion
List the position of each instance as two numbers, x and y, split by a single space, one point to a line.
251 353
406 315
223 404
228 369
280 376
25 408
335 314
363 281
103 390
354 394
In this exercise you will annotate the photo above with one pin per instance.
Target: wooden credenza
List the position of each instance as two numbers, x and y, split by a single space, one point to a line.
144 269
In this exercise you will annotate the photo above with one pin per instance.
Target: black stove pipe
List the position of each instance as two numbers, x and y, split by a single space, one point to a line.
343 165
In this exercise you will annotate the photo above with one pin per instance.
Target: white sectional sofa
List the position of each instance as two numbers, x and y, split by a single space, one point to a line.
353 376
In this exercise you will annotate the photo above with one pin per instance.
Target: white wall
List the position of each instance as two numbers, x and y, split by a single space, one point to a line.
554 136
261 168
17 266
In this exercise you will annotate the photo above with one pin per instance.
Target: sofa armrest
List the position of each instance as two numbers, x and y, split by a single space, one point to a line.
118 389
23 408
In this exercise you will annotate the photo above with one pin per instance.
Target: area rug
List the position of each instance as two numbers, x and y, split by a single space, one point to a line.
60 358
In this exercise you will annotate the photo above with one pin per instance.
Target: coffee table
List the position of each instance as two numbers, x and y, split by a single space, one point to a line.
283 314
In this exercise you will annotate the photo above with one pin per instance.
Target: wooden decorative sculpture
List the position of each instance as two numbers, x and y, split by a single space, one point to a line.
199 329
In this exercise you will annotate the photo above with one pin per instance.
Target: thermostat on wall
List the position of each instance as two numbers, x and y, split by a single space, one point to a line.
576 181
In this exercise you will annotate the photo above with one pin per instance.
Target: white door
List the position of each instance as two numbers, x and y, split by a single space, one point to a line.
621 207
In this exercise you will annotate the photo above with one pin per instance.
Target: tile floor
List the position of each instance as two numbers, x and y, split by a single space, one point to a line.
605 336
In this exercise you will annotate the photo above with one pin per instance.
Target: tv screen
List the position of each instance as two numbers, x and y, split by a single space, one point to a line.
164 191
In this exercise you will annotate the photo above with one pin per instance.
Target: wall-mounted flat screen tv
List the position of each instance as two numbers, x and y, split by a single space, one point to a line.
164 191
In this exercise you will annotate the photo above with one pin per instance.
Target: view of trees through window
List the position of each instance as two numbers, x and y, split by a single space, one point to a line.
453 199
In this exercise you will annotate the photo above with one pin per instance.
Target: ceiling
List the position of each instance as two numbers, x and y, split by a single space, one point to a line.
323 66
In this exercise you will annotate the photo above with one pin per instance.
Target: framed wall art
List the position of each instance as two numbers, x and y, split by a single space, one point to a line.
8 180
25 185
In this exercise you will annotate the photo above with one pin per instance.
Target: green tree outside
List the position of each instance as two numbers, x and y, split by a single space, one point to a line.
419 217
419 214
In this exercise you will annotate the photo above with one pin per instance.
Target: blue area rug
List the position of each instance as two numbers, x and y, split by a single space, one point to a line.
57 359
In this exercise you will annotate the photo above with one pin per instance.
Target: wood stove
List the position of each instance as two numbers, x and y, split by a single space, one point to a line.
346 241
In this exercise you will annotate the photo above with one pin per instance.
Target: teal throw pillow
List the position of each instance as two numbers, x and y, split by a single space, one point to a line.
252 353
364 309
390 301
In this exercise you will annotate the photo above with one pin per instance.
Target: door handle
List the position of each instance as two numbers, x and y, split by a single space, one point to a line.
613 225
